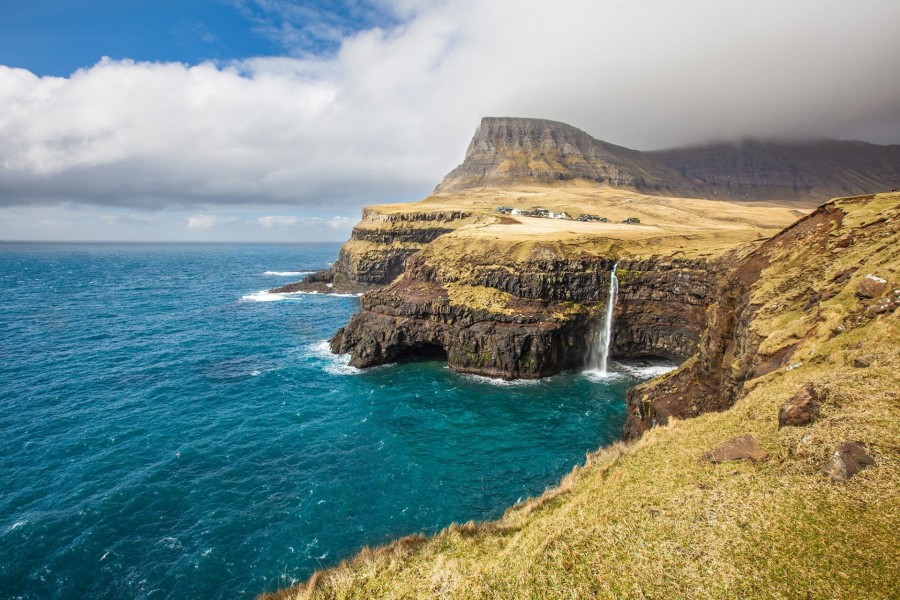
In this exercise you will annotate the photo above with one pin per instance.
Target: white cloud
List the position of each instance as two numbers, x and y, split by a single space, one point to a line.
392 111
270 221
208 221
79 222
341 223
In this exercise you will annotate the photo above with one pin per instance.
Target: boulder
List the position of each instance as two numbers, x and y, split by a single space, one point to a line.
849 459
743 447
871 286
801 409
861 362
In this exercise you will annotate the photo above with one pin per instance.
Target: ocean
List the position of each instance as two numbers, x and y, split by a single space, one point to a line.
169 431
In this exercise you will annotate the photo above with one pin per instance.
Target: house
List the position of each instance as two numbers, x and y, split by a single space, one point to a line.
559 215
515 211
632 220
505 210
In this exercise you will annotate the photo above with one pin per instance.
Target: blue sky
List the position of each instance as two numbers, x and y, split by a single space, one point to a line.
278 120
56 37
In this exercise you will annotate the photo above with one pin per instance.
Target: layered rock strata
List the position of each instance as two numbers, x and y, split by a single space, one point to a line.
378 249
513 150
534 319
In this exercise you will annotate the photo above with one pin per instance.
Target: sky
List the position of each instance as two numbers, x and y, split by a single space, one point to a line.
277 120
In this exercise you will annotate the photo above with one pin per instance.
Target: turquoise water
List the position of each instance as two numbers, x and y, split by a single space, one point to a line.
164 433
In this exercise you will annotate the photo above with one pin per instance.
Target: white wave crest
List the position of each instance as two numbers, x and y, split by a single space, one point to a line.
287 273
335 364
263 296
16 525
498 381
267 296
327 294
649 371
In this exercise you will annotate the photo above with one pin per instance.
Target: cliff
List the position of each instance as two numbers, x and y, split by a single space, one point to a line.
512 150
379 246
508 151
784 484
783 296
524 163
523 297
531 318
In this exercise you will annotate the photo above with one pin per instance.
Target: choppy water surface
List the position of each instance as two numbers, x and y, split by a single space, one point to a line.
167 431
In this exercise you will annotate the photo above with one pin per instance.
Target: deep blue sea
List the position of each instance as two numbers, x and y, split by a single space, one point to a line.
168 432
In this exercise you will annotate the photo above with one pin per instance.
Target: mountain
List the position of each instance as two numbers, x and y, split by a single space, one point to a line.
514 151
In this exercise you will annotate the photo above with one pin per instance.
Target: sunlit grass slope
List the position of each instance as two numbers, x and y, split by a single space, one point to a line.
651 519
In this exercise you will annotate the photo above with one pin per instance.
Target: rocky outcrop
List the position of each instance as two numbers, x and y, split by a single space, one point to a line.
661 310
415 319
802 264
511 150
378 249
548 313
382 242
801 409
743 447
848 460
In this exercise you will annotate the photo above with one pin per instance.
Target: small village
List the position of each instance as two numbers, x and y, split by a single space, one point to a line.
543 213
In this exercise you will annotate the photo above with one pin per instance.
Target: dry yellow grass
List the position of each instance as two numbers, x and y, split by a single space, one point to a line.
690 226
480 298
651 520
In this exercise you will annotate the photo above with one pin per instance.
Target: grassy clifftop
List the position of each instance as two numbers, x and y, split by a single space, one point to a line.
653 519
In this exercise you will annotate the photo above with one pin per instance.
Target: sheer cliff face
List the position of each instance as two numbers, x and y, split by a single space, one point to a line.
382 242
531 318
800 298
508 150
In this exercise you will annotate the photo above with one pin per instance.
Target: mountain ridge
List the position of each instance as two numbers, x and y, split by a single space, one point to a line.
512 150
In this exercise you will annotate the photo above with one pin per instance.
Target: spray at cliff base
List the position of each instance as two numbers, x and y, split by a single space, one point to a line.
599 354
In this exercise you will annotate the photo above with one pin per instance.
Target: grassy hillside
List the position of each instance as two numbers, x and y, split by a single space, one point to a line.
652 519
693 226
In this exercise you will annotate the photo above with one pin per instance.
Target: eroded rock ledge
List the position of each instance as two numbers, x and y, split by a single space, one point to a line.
378 249
532 319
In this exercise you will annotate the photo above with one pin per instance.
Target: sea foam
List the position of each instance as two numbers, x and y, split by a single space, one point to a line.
335 364
640 370
498 381
263 296
649 371
267 296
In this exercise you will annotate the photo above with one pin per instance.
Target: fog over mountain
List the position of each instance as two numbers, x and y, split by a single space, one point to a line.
315 136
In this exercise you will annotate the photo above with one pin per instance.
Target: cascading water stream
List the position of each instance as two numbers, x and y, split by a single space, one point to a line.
600 352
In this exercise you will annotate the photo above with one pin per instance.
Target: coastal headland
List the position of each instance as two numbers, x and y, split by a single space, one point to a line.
766 465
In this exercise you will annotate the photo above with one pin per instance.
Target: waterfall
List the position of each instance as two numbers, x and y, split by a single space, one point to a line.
600 351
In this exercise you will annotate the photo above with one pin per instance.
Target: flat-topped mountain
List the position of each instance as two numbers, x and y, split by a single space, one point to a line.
506 151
